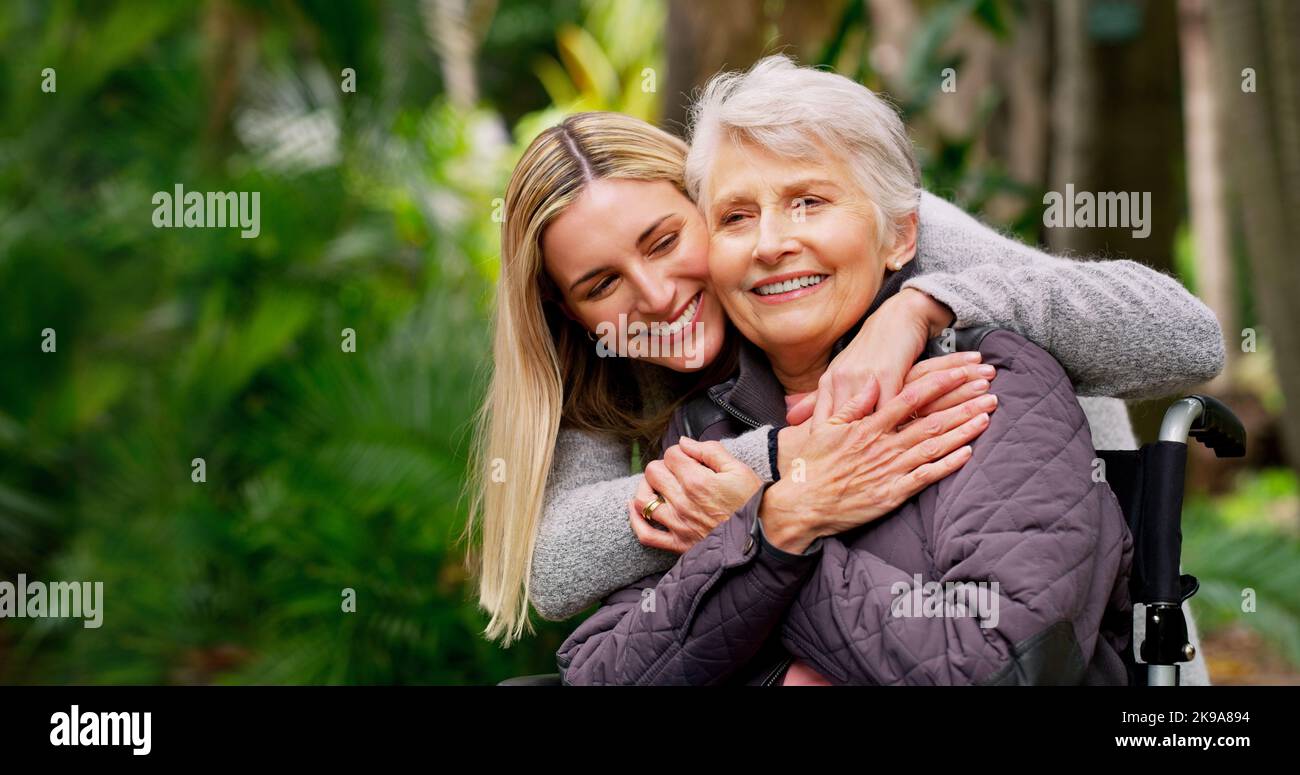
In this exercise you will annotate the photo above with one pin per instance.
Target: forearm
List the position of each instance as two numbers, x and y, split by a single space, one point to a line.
585 548
699 623
1117 327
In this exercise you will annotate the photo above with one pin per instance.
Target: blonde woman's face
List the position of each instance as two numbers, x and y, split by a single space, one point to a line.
631 260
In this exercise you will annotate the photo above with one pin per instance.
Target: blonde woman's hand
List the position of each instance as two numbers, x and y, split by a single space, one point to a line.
701 484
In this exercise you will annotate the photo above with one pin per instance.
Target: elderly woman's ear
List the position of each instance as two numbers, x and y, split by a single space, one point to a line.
904 247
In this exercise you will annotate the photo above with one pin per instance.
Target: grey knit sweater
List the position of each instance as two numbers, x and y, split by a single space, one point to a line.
1120 330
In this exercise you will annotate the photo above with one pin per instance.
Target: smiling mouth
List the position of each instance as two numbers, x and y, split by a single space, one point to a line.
789 288
683 320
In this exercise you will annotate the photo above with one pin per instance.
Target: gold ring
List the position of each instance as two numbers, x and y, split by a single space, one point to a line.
652 505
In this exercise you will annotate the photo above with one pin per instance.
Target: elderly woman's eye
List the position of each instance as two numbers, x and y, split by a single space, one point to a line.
730 218
805 201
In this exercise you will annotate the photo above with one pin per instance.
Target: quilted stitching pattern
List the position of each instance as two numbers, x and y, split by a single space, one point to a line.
1023 512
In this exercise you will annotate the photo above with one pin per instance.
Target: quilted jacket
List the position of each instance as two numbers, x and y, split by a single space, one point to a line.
1024 512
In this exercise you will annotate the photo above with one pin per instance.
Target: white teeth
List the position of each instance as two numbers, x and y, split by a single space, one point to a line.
671 329
789 285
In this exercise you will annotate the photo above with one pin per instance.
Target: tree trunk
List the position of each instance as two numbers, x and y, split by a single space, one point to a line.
1215 283
1261 131
1117 121
705 37
447 25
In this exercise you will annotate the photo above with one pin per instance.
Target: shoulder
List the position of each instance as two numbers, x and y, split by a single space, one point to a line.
1024 363
1037 433
1016 358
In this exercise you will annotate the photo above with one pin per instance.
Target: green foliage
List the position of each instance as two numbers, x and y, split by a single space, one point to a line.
609 63
1242 542
326 470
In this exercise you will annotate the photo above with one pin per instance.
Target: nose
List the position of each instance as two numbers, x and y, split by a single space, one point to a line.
775 241
654 292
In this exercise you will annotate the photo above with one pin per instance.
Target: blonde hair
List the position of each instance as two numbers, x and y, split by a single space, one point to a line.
799 112
545 368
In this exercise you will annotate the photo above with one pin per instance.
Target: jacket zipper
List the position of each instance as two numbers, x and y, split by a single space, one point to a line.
780 668
751 422
771 677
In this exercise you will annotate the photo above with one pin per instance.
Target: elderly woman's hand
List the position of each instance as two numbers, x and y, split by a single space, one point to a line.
700 484
791 438
885 348
854 466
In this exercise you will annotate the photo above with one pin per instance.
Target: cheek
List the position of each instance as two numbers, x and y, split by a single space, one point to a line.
727 265
592 314
694 260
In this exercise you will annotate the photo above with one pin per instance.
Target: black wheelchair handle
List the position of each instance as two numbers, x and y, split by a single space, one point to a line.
1209 421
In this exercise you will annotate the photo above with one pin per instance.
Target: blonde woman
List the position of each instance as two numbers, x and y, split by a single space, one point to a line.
598 225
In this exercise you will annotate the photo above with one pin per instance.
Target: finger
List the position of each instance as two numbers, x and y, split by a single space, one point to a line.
961 395
824 402
941 422
694 477
889 387
929 473
652 537
677 460
862 404
918 394
711 454
844 388
949 361
644 494
933 449
663 516
802 409
665 483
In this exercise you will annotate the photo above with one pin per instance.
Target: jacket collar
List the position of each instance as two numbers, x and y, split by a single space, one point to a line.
756 393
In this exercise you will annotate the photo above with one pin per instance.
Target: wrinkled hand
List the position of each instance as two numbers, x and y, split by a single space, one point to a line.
885 348
851 467
701 483
790 438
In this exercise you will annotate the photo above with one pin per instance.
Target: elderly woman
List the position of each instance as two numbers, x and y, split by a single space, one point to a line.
811 580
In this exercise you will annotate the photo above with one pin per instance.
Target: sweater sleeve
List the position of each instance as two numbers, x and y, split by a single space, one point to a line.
1117 327
699 623
585 548
1022 535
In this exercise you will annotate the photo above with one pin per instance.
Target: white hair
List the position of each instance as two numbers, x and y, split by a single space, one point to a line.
800 113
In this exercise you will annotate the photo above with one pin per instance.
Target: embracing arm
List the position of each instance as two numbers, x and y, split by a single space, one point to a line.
1023 514
697 624
1117 327
585 548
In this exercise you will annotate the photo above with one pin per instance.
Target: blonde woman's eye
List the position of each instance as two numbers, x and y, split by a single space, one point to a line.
664 244
599 288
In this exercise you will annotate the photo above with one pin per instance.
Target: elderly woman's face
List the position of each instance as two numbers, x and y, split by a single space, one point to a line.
793 254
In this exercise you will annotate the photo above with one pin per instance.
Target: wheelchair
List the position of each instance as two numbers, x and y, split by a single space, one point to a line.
1148 483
